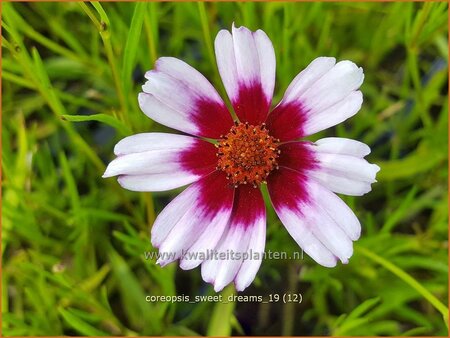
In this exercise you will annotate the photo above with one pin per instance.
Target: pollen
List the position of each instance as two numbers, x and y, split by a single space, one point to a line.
247 154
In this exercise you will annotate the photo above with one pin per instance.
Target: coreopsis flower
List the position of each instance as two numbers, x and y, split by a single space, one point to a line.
226 159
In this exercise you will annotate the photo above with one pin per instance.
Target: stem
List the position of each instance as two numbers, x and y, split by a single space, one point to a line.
148 197
289 307
220 320
103 29
91 15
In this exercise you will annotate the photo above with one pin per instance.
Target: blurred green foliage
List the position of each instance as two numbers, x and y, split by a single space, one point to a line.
73 243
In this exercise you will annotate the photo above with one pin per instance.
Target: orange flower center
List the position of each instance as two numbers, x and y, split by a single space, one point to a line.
247 154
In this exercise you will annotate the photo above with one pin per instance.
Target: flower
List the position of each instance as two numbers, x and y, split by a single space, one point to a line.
223 209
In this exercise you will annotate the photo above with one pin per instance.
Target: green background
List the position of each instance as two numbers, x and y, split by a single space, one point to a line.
73 243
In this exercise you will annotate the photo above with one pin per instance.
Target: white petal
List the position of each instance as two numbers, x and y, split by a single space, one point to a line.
152 153
233 246
159 161
226 62
344 146
157 182
300 228
171 92
321 119
341 167
329 233
179 97
246 62
267 62
191 225
338 211
315 70
203 206
298 202
347 166
250 267
236 241
341 184
152 141
321 96
172 213
148 162
203 244
161 113
189 76
209 270
308 223
245 231
333 86
246 55
325 227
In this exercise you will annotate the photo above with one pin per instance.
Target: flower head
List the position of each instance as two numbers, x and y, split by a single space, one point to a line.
223 209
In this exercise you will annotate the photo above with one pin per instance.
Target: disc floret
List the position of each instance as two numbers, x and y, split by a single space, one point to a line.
247 154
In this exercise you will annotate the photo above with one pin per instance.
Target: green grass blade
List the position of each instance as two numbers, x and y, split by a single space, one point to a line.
80 325
407 278
132 44
106 119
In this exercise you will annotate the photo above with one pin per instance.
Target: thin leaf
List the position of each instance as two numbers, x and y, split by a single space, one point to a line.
107 119
132 43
